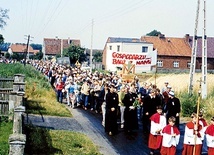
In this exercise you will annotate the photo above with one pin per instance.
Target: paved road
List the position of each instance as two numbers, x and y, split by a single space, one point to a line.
89 123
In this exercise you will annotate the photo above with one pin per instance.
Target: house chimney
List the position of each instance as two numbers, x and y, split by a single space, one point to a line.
69 41
161 36
187 38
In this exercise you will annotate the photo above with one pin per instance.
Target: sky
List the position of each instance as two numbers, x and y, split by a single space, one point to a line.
93 21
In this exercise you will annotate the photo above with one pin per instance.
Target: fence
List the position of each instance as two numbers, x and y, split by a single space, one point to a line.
6 87
12 91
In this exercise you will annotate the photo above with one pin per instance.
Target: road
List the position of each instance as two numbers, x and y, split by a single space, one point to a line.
89 123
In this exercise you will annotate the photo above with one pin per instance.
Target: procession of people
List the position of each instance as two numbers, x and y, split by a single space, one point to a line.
123 103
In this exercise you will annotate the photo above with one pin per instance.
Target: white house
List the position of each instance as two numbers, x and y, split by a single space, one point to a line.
136 52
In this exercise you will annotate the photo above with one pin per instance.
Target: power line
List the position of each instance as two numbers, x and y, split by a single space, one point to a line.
50 18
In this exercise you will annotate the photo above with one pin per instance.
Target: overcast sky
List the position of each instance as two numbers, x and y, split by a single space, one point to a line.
112 18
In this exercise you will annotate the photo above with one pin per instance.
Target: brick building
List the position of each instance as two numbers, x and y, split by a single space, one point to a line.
210 52
173 53
54 46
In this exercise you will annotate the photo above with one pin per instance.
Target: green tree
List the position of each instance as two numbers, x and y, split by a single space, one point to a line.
97 57
7 55
1 39
154 33
38 55
3 17
36 46
75 53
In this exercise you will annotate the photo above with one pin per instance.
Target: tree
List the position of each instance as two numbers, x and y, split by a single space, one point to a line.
36 46
98 56
38 56
154 33
1 39
7 55
75 53
3 17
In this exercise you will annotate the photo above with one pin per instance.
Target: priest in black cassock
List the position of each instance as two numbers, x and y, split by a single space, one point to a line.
112 102
130 113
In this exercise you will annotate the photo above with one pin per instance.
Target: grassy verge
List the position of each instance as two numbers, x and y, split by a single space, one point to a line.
5 131
45 141
41 99
40 95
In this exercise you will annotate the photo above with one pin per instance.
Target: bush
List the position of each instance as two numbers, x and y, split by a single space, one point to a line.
189 104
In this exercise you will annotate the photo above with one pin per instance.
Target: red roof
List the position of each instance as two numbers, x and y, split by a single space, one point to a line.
20 48
53 46
169 46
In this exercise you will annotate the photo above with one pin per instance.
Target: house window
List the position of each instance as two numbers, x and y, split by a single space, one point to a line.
175 64
188 64
144 49
118 48
159 63
110 47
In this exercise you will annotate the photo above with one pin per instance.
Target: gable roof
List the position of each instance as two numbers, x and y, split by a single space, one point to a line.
53 46
169 46
210 45
123 40
20 48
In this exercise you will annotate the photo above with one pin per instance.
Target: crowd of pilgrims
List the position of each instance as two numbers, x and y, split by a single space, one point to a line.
131 102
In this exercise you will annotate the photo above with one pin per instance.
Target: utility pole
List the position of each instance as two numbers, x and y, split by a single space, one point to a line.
194 51
204 54
204 57
91 51
61 47
26 50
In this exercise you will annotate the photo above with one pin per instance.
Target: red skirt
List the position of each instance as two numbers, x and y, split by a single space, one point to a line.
154 141
210 151
188 149
168 150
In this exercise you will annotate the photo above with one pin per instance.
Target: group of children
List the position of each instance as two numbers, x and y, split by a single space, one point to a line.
164 138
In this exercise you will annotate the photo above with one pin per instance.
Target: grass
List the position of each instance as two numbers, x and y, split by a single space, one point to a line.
41 99
75 143
5 131
58 142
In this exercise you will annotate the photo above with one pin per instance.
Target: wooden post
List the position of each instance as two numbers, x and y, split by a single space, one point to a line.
197 113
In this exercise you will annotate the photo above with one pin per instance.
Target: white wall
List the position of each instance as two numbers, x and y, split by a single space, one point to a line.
131 52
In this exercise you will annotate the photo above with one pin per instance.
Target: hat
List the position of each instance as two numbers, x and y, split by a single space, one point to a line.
171 93
169 87
166 82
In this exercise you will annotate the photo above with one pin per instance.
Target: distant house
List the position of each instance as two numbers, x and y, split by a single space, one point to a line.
119 51
172 53
21 49
4 48
210 51
54 46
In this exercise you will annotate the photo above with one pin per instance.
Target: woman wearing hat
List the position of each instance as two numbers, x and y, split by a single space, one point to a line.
209 133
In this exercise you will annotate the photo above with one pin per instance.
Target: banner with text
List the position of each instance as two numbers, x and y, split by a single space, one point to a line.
135 58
